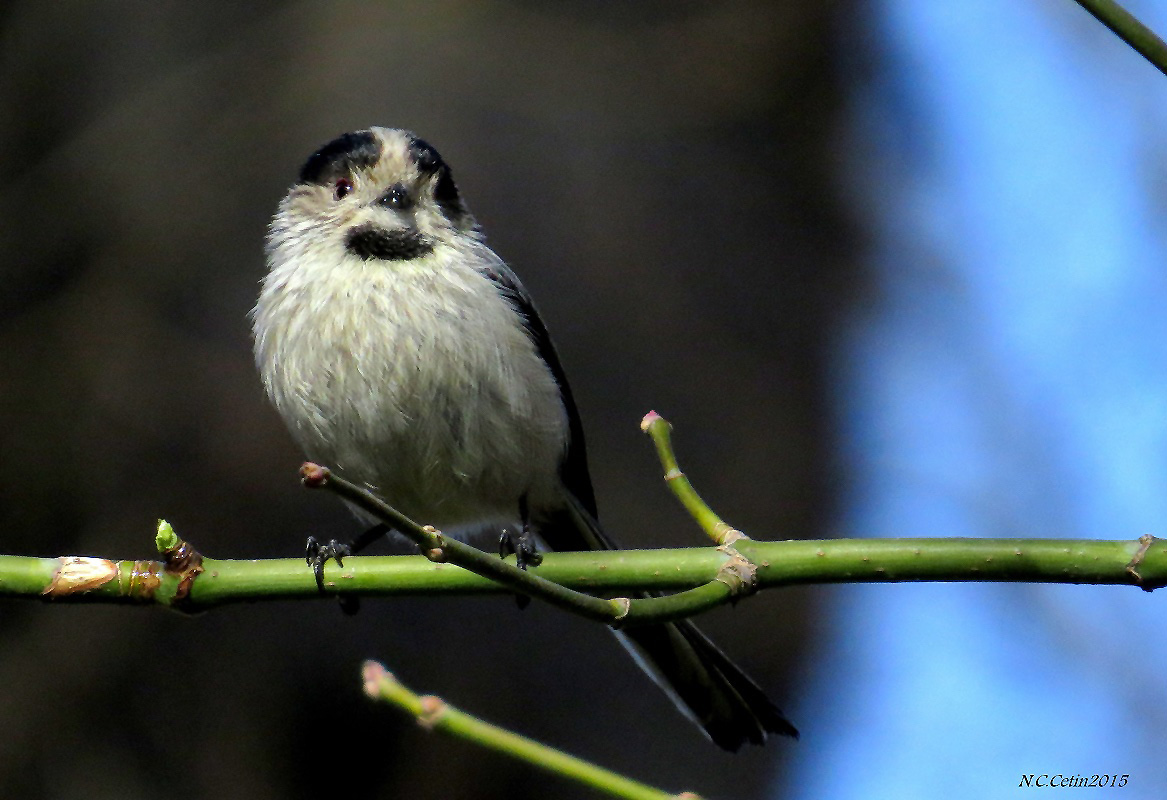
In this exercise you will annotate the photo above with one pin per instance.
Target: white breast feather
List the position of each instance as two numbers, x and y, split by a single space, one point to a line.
415 377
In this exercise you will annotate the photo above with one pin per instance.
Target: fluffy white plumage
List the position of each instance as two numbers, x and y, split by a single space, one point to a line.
402 351
417 376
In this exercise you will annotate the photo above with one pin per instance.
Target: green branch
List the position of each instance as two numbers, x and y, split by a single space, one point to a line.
1141 563
733 578
701 578
441 549
435 714
1130 30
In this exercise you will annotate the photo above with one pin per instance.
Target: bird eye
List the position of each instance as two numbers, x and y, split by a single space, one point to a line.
342 188
397 197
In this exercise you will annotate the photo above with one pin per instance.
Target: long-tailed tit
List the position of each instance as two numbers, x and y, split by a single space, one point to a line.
403 352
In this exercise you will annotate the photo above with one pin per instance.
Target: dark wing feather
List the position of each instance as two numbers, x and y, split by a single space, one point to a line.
573 470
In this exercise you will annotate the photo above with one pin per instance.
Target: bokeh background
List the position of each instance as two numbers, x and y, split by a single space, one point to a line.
891 268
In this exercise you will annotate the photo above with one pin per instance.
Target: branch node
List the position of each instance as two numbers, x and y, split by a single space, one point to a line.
432 710
1145 542
437 552
623 606
179 559
145 578
726 535
738 573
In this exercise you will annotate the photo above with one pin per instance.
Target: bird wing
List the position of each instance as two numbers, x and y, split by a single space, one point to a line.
573 470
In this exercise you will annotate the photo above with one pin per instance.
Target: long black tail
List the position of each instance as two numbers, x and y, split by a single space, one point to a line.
701 680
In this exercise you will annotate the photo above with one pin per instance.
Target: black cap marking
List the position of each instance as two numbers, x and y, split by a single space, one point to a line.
399 244
340 157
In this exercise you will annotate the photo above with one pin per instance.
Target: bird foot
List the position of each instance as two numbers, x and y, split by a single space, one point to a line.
525 552
522 547
316 554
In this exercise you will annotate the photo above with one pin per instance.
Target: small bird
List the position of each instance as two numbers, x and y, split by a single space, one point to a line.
402 352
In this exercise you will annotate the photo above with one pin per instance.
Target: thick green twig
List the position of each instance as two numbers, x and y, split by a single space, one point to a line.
702 578
435 714
1130 30
1132 562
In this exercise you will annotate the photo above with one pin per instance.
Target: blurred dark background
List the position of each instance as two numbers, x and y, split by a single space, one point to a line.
665 177
891 269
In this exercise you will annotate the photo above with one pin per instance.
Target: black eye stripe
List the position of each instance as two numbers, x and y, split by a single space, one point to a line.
429 162
447 197
428 159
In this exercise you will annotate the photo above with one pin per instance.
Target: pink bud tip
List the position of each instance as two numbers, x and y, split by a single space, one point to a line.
313 475
649 418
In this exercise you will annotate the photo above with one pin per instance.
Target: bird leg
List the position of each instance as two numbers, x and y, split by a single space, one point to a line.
523 546
317 553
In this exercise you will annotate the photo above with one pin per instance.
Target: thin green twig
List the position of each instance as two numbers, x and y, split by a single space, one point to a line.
659 429
440 548
1128 28
618 612
435 714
